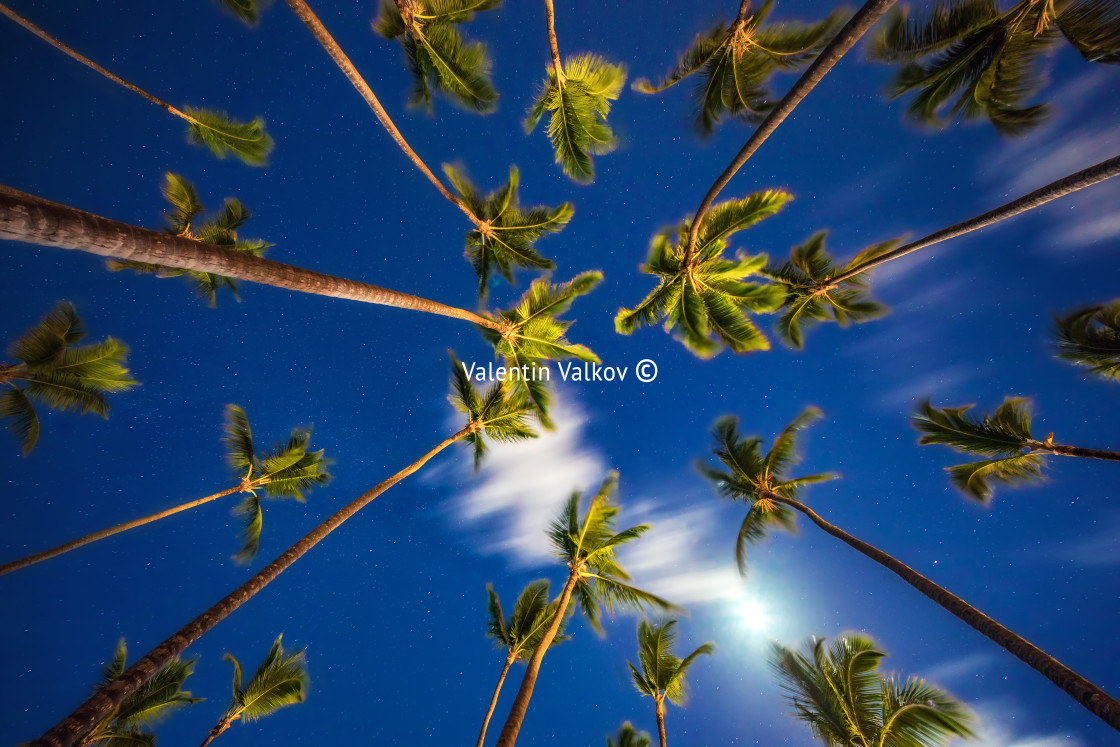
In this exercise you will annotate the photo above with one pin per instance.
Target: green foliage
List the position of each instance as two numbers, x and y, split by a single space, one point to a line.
629 737
754 477
844 698
246 11
497 413
579 105
522 632
511 229
587 545
810 296
706 302
218 230
1090 338
246 141
56 372
280 680
734 64
436 54
661 671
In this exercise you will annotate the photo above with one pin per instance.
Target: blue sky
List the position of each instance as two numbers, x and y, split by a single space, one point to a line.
392 606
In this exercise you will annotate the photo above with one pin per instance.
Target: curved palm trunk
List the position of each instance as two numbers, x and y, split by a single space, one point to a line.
217 731
863 20
1080 689
1077 451
553 46
494 699
319 31
520 706
16 565
72 728
34 220
659 711
1064 186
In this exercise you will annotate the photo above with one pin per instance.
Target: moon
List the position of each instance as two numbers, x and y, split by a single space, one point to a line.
754 615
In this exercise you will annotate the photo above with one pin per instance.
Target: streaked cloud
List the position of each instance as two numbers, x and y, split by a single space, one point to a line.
996 729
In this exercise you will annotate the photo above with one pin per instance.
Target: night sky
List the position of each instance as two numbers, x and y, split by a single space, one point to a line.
391 607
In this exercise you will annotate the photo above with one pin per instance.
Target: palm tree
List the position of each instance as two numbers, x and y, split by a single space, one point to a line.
628 737
280 680
1004 436
761 481
595 578
55 371
847 702
126 724
213 129
519 634
1090 337
578 93
734 63
286 471
505 239
219 230
662 676
492 414
705 298
435 52
990 61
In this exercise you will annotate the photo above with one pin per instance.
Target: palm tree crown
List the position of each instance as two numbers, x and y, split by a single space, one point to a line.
703 296
662 674
499 413
437 56
1090 337
54 371
989 60
508 231
521 632
847 702
629 737
734 63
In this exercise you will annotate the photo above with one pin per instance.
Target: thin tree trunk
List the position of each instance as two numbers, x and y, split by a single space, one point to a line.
520 706
864 18
72 728
16 565
494 699
1077 451
1080 689
1064 186
217 731
660 713
34 220
550 20
319 31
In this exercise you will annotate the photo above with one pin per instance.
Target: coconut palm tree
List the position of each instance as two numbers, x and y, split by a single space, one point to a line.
578 92
990 61
595 578
436 55
213 129
628 737
705 298
53 370
734 63
762 482
280 680
287 471
492 414
840 693
662 674
1090 338
218 230
1004 436
128 722
519 634
508 231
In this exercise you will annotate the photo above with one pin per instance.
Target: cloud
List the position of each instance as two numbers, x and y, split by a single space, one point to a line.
953 671
995 730
1101 548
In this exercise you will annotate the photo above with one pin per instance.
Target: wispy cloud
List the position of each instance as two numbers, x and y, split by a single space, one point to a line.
1101 548
996 730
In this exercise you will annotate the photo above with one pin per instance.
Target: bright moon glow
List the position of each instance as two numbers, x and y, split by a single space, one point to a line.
754 615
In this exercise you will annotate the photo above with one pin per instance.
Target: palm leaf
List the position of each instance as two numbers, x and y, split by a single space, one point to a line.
1093 28
59 328
628 737
245 11
184 202
22 422
1004 433
974 478
252 518
1090 338
238 440
246 141
280 680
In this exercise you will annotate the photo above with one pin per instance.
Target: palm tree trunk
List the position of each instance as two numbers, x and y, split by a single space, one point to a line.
217 731
554 47
319 31
16 565
1080 689
864 18
72 728
1064 186
1077 451
494 699
659 711
520 706
34 220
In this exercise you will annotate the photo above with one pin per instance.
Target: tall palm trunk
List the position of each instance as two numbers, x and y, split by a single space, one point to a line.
494 698
1064 186
863 20
72 728
16 565
520 706
218 730
659 712
34 220
1076 686
1078 451
553 46
319 31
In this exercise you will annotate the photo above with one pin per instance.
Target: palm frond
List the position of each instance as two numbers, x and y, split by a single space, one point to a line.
252 519
902 36
1093 28
157 697
246 141
58 329
1006 432
691 60
238 440
1090 338
20 417
246 11
974 478
917 714
280 680
629 737
184 203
